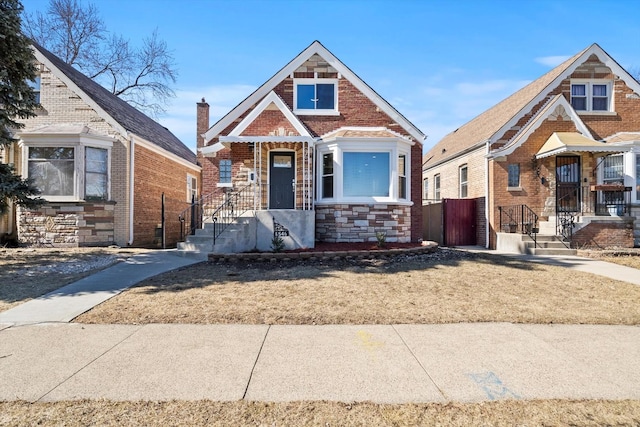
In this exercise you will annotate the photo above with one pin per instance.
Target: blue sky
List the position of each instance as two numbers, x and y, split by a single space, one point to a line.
439 62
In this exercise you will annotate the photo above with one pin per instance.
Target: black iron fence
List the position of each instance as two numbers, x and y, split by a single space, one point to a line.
519 219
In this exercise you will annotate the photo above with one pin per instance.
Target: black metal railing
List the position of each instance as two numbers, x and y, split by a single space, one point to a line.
519 219
235 204
565 223
612 199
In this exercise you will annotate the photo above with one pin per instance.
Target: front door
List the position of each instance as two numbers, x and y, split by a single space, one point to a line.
282 176
567 183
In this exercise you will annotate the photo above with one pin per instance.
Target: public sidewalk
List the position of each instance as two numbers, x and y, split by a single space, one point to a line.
68 302
348 363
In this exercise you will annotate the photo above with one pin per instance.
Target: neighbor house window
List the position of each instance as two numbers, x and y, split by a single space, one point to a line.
591 96
53 170
70 172
613 169
436 187
96 174
35 85
425 188
463 181
327 176
514 175
316 96
402 176
192 188
225 171
365 174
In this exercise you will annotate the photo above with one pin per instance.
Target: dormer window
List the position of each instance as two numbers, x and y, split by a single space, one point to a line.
316 96
591 96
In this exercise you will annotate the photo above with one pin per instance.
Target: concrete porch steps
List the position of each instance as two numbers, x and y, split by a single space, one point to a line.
547 244
200 244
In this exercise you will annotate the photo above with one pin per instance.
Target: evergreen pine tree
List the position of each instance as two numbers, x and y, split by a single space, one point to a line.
17 99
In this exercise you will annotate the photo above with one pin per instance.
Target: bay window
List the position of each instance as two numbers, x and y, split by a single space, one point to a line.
354 170
68 167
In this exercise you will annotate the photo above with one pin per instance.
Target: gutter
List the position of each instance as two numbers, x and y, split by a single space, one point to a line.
131 186
487 188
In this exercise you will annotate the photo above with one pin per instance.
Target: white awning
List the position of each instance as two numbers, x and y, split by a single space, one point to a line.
573 142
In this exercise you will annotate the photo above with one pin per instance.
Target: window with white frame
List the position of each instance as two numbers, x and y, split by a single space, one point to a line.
436 187
591 96
463 181
402 176
192 188
96 173
425 188
70 171
327 175
225 171
316 96
513 178
357 171
52 170
613 169
365 174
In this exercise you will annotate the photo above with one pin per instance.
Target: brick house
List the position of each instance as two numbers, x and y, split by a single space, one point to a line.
101 165
561 156
322 156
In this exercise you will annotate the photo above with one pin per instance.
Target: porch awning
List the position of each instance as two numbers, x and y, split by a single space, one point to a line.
573 142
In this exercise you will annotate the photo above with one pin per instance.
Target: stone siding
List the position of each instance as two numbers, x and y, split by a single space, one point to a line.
360 223
68 224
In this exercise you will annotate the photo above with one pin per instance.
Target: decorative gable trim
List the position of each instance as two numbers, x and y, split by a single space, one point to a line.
82 94
315 48
557 108
594 49
271 98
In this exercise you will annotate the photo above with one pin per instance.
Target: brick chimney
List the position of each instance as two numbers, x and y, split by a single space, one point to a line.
202 124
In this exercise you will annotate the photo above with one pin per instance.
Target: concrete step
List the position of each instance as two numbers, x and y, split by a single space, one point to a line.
548 251
546 245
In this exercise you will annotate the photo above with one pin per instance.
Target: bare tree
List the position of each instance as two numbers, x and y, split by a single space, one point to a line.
76 33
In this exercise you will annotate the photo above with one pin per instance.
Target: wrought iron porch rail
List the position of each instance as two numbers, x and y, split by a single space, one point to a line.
236 203
519 218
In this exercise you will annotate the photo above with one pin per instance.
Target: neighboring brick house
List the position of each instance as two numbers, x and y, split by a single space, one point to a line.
101 165
566 146
323 155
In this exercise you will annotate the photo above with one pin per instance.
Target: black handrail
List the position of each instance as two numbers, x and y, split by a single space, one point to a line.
235 204
519 218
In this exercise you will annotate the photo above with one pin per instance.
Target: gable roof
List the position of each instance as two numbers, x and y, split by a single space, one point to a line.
117 112
315 48
494 122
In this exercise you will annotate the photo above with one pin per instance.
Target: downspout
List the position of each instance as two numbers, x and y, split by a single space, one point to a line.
131 186
11 215
487 188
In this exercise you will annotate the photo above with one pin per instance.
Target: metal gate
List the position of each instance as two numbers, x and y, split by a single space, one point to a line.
451 222
459 220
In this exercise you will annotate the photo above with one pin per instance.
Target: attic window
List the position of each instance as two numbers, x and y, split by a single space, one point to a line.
591 96
316 96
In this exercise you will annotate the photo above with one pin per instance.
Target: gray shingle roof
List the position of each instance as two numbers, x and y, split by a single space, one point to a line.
124 114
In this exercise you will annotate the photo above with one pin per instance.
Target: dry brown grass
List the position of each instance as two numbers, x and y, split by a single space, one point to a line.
444 287
626 257
200 413
27 273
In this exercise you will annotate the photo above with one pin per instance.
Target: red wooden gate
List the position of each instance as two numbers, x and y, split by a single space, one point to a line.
459 222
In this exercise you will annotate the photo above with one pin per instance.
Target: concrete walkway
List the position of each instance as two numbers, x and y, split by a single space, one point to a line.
66 303
45 361
588 265
378 363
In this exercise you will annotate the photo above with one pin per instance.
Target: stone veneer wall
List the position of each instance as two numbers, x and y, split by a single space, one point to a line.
360 223
68 224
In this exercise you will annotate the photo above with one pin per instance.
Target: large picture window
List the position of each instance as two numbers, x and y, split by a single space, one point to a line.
52 170
365 174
